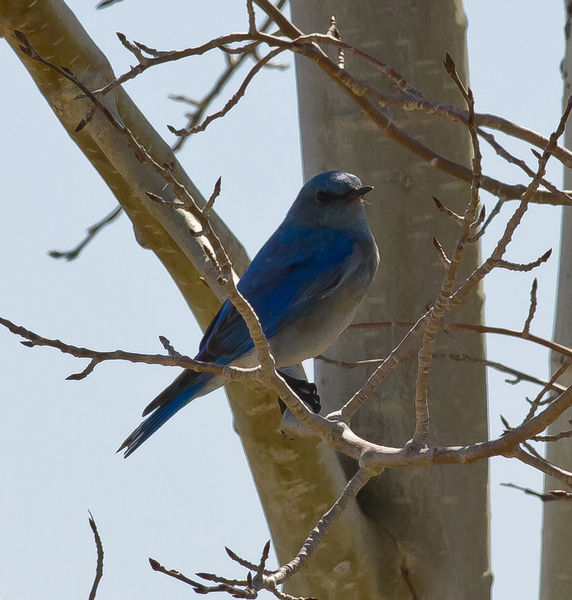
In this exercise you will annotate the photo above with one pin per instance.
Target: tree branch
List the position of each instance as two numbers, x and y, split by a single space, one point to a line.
99 564
553 346
441 306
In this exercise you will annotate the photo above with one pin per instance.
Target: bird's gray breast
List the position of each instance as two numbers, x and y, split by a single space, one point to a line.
314 331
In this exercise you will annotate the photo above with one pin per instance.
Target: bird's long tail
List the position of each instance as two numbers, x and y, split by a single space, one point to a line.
185 388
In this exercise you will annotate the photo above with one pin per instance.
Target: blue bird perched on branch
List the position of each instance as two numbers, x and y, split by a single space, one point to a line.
305 285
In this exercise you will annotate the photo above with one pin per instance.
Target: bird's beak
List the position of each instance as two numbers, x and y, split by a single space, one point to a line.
362 191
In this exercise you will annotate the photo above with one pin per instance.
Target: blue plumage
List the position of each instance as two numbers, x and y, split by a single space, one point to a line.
305 285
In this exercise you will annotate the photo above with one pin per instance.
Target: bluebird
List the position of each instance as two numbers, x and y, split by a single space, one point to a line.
305 285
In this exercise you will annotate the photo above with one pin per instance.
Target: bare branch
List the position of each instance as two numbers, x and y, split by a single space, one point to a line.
536 402
523 267
494 212
412 99
442 305
543 465
480 272
553 438
259 573
99 565
353 486
531 308
168 347
96 357
233 100
447 211
243 562
215 194
218 579
517 375
106 3
200 588
251 17
202 105
555 347
334 32
92 231
510 158
446 262
82 374
546 497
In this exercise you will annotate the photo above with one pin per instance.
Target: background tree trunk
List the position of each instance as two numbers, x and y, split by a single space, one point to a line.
431 526
556 574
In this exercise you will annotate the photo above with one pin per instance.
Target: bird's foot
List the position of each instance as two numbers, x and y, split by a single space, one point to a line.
306 391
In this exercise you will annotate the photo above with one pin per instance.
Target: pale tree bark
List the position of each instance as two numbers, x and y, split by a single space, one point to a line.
296 480
556 573
430 528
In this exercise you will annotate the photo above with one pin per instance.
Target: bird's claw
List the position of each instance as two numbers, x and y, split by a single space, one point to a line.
306 391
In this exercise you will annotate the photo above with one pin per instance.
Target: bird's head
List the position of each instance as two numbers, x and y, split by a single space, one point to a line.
332 199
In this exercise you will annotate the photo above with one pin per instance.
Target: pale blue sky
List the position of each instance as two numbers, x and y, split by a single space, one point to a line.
188 492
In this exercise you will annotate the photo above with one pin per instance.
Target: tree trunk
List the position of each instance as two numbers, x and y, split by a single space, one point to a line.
556 574
297 480
430 527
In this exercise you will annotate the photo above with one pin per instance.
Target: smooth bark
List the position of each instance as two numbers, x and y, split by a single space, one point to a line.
428 528
556 573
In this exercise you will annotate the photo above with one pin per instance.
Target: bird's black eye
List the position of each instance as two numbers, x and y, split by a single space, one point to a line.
321 195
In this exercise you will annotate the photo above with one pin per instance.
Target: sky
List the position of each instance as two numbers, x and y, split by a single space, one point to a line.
170 499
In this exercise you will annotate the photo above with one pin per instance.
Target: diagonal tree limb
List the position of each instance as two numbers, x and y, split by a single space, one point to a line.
290 514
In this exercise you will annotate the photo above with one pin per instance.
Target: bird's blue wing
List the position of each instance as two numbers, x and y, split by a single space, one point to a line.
295 267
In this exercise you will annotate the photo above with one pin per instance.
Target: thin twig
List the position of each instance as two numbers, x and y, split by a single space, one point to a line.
497 254
200 588
218 579
445 260
243 562
251 17
536 402
354 485
92 231
442 305
535 339
99 565
546 496
494 212
523 267
232 102
531 308
458 219
517 375
334 31
510 158
543 465
553 438
172 360
232 66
